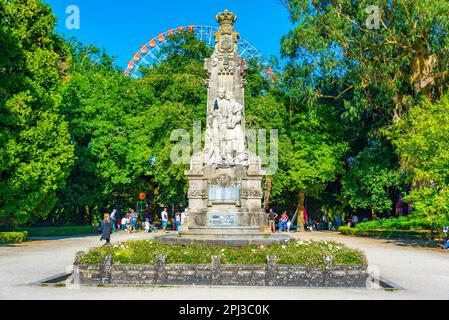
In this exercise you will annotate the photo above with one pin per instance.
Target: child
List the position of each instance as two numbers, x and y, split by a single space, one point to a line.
177 220
124 223
129 227
147 225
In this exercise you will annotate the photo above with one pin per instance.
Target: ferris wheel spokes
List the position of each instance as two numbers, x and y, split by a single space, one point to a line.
150 52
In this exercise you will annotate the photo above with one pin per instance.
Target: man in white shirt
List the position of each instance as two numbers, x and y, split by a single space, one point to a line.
164 218
113 219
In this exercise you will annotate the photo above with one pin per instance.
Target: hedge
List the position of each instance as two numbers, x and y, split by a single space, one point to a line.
60 231
13 237
389 234
412 223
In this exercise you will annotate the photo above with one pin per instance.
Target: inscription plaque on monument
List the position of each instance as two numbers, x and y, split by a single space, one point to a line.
218 193
222 220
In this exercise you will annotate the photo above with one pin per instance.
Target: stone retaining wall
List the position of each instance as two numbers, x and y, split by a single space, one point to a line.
217 274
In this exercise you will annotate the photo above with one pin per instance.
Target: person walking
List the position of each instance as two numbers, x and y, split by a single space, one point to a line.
164 218
133 216
107 226
113 219
272 216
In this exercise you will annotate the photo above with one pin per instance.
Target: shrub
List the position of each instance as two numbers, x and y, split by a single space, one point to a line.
306 253
389 234
407 223
13 237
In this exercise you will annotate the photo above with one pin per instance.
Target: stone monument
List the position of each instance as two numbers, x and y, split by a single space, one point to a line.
225 179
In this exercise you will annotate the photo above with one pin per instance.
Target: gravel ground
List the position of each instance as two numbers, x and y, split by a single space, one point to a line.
421 272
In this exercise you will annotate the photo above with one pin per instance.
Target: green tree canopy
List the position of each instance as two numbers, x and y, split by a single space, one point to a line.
371 179
421 139
369 76
35 149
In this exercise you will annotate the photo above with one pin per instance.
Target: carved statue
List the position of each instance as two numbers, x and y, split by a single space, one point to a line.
235 130
216 131
225 137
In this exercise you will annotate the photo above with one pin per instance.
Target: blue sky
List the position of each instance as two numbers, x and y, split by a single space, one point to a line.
121 27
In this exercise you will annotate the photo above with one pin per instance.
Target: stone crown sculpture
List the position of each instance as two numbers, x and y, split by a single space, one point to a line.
226 17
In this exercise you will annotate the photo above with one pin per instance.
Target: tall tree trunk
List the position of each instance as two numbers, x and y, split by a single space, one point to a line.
300 208
373 214
89 217
266 202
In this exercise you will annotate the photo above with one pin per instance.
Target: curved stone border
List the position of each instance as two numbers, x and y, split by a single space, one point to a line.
217 274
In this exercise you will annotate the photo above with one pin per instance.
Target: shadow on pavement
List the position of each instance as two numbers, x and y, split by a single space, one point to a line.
63 237
11 245
416 243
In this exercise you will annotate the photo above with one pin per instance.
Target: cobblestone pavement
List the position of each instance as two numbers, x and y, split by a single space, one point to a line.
421 272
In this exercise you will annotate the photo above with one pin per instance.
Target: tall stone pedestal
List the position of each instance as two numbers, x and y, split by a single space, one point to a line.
225 202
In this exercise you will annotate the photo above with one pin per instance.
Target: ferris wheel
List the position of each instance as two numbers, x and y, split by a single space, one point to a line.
151 52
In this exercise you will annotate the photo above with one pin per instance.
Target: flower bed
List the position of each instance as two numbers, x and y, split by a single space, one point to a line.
295 263
306 253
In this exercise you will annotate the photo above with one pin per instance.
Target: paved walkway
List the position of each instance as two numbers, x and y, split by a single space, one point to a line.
422 272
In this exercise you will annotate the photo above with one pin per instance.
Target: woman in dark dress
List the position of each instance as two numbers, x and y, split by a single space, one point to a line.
107 226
